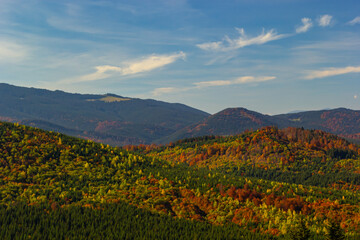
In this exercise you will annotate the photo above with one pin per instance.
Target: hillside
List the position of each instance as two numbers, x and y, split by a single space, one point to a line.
46 176
105 118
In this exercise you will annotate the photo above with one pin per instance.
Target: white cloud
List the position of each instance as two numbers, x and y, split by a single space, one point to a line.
251 79
307 24
355 21
243 40
240 80
151 63
12 52
130 68
102 72
211 46
332 72
160 91
325 20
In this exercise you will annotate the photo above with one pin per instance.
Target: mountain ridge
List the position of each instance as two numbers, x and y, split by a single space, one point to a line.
119 120
75 115
340 121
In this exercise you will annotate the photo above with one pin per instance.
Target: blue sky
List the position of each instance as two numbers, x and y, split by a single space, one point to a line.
271 56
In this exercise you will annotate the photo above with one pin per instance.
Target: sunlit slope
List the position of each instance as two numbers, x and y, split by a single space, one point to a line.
55 172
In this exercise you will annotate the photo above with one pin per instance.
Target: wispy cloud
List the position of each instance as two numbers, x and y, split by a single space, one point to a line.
307 24
240 80
332 72
355 21
212 83
129 68
325 20
151 63
163 90
216 83
72 24
229 44
243 40
12 52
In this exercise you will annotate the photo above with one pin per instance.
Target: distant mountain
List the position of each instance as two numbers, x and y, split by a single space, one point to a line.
232 121
107 118
118 120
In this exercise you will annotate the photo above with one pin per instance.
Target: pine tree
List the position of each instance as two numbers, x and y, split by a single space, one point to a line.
301 232
334 231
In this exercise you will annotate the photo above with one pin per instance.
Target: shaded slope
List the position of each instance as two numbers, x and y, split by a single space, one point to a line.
108 118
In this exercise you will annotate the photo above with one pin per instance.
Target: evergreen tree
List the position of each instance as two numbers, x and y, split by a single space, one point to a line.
334 231
301 232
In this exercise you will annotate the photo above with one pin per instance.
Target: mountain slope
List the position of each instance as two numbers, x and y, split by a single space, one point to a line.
107 118
233 121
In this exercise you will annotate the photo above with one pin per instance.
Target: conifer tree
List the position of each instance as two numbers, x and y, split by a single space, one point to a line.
334 231
301 232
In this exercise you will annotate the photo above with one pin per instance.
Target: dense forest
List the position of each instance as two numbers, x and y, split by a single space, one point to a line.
267 184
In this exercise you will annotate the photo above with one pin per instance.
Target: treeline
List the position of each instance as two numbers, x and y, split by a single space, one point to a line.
107 221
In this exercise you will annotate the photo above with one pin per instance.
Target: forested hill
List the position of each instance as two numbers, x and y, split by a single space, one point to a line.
48 178
105 118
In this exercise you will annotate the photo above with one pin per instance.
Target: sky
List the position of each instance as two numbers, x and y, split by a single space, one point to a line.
270 56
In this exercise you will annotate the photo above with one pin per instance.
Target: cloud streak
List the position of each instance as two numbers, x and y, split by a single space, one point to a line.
307 24
325 20
130 68
12 52
332 72
228 44
240 80
163 90
355 21
216 83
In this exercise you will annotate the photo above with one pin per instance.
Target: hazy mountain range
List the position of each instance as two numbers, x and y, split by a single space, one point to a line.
121 120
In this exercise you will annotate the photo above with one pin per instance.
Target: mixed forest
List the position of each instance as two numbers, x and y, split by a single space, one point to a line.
265 184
